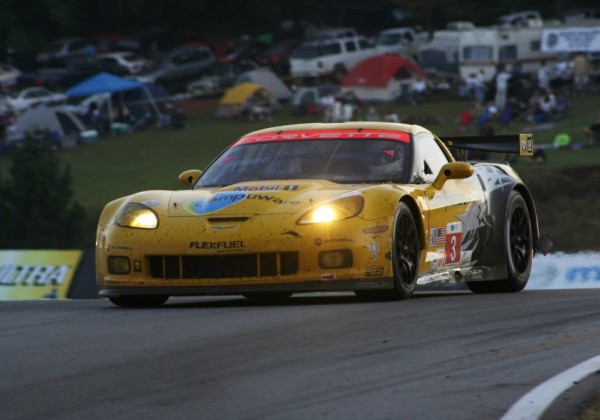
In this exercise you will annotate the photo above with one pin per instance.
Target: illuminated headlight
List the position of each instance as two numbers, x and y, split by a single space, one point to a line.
118 265
335 210
136 215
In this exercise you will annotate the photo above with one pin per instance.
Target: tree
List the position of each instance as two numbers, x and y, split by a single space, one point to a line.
36 207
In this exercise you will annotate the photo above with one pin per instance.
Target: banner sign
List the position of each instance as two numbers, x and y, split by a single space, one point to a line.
565 271
571 39
37 274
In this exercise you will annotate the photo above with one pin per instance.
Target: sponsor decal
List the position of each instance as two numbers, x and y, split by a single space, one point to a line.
328 277
437 237
326 134
267 188
453 241
216 246
374 250
217 202
376 271
119 247
444 200
273 199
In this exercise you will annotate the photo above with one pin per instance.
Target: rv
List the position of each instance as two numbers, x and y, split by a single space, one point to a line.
510 45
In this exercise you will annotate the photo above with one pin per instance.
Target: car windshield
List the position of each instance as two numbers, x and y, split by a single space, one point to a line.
389 39
314 51
336 160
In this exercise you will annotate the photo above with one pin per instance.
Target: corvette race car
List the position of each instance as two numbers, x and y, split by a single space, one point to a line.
373 208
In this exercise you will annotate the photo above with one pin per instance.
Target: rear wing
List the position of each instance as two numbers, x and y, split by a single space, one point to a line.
509 143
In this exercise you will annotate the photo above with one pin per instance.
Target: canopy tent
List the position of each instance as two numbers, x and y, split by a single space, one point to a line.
382 77
107 83
103 83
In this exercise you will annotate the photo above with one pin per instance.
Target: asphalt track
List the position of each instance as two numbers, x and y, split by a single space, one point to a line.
440 355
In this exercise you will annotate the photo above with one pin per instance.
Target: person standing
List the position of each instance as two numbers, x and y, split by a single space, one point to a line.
502 79
581 71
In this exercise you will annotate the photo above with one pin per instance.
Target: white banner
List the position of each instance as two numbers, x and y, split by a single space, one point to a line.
565 271
571 39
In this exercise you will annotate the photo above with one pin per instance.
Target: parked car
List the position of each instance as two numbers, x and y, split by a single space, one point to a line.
65 48
9 75
366 207
181 66
62 74
35 95
129 62
403 41
334 56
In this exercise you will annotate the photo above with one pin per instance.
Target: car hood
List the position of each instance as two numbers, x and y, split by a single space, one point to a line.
257 198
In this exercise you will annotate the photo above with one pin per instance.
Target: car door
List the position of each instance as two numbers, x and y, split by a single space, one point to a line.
455 214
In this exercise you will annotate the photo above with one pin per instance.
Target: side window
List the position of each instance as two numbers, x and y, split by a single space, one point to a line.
364 44
350 46
429 158
507 52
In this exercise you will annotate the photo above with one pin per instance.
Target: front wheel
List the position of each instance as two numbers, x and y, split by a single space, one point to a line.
139 301
405 259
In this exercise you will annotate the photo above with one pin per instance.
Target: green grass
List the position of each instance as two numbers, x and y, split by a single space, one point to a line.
119 165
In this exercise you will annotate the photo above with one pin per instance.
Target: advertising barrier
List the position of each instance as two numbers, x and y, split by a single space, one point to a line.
566 271
572 39
37 274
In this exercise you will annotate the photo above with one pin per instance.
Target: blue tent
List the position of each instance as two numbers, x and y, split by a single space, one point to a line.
103 83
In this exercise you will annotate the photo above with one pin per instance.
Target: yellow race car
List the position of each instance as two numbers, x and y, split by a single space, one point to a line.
373 208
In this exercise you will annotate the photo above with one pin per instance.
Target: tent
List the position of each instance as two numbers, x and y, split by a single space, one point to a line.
60 127
107 83
382 77
234 100
268 80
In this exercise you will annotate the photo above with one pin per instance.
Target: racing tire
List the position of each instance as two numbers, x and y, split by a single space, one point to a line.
518 243
405 259
137 301
268 296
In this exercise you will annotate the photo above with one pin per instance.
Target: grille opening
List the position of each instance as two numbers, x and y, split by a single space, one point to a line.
223 266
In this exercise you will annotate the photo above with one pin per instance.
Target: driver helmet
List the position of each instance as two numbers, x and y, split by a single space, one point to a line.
388 160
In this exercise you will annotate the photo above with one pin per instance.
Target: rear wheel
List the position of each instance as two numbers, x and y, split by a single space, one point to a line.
137 301
518 243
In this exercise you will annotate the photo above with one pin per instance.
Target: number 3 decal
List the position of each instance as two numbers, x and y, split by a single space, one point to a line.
453 240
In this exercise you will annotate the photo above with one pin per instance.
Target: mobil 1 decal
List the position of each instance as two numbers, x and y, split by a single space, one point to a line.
453 240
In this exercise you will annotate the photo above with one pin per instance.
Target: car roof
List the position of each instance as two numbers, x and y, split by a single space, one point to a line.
406 128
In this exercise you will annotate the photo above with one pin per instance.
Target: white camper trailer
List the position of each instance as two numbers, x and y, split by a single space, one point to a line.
487 48
441 53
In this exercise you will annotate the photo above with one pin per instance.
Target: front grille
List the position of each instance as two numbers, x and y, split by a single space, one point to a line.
223 266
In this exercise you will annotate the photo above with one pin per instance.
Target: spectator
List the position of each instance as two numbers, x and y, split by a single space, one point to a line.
543 76
391 116
417 89
502 79
592 132
581 71
372 114
546 107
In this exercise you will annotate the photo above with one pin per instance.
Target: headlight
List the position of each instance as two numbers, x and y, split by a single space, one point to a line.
136 215
335 210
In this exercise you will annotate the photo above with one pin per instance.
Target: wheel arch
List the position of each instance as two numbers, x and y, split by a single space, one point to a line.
416 212
524 191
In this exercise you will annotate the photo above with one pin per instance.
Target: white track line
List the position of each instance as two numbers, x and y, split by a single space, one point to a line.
533 404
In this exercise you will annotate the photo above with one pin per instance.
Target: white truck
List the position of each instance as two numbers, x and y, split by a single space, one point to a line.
402 41
327 57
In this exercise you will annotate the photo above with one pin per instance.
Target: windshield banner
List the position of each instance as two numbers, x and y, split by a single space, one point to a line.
571 39
37 274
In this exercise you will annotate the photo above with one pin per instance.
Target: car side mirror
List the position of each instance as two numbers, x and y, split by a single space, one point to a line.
452 170
189 177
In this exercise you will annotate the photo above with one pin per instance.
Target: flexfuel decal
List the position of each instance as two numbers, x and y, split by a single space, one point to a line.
37 274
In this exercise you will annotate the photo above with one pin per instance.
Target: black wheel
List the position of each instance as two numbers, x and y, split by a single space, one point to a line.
405 252
137 301
518 243
405 259
268 296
